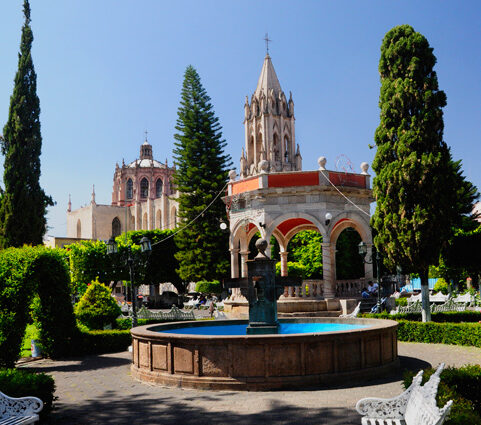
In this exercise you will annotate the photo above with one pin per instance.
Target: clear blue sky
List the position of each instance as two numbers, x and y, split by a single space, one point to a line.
109 70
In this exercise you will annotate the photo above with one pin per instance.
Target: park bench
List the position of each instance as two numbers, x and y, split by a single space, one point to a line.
415 406
174 315
21 410
449 305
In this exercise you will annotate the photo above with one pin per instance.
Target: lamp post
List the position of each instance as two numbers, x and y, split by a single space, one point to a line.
362 249
145 247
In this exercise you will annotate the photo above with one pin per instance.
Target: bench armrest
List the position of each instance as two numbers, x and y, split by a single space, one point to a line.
388 408
23 406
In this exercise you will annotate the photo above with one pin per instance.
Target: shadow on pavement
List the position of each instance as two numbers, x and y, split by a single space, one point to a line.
113 410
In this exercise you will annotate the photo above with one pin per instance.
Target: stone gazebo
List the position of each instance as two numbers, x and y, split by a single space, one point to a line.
275 197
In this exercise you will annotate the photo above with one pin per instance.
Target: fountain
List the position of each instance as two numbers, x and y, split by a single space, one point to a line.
263 352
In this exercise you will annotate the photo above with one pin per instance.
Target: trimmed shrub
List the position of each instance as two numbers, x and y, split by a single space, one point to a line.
441 286
97 307
439 317
293 269
208 287
23 383
440 333
52 309
460 385
401 301
16 288
100 342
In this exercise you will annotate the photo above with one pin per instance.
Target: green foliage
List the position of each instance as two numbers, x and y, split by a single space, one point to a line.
349 264
161 265
31 332
51 309
17 286
208 287
23 203
100 342
439 317
440 333
401 302
293 269
460 385
97 307
420 191
201 174
22 383
441 286
305 248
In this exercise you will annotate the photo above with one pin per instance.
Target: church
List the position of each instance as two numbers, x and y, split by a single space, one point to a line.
143 198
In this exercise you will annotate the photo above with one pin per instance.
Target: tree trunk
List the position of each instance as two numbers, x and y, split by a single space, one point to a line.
426 311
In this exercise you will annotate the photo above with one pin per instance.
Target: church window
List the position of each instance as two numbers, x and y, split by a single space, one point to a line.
286 151
144 188
158 219
116 227
158 188
130 189
145 223
79 229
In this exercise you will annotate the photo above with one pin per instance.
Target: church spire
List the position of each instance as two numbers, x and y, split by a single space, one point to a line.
268 79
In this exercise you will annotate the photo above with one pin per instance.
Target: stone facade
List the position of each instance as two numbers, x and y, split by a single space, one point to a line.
142 199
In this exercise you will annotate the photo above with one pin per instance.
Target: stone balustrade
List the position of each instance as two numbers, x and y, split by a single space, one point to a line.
349 288
310 288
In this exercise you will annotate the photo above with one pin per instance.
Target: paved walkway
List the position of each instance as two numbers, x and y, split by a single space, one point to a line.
100 390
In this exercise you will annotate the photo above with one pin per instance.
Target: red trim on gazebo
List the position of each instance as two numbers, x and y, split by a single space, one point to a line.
286 226
340 221
251 226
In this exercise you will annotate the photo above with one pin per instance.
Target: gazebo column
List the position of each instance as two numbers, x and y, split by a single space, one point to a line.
368 268
284 270
244 258
234 262
329 269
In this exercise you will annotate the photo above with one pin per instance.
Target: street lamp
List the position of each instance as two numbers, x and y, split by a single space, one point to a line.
362 250
145 247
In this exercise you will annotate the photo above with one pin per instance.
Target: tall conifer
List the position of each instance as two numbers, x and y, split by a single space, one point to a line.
23 203
420 191
201 173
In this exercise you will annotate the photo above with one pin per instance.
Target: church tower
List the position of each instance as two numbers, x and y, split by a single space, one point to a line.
270 143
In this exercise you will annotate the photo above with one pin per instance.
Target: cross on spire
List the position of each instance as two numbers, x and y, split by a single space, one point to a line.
267 39
146 132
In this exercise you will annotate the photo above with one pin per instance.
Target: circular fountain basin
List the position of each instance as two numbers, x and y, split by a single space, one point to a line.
200 355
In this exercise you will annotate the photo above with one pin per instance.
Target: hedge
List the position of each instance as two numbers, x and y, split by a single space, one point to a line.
440 333
440 317
208 287
23 383
460 385
101 342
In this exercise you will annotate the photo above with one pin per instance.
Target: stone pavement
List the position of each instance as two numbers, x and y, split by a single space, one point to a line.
99 390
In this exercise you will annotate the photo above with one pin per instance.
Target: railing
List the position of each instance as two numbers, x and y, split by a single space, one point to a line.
349 288
311 289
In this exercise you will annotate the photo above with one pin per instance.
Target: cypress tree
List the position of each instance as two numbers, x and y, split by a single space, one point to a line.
201 173
420 191
23 203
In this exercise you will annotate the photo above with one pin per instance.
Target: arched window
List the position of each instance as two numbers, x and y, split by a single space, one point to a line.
116 227
286 150
79 229
129 189
158 219
145 223
144 188
158 188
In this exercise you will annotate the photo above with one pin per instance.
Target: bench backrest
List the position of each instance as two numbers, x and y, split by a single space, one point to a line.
421 408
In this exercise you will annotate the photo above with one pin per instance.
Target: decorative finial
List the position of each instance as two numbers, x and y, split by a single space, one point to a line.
261 245
69 208
93 194
146 132
267 40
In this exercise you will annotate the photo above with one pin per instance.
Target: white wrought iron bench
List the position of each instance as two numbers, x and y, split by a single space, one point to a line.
415 406
23 410
175 314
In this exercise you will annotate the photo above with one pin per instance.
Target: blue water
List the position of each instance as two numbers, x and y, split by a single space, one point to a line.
284 328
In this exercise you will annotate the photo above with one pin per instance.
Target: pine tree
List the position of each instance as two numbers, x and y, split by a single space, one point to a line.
420 191
23 203
201 173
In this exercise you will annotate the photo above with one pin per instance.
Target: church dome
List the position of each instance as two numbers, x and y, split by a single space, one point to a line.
146 163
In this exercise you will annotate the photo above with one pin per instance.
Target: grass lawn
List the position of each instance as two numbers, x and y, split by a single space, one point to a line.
31 332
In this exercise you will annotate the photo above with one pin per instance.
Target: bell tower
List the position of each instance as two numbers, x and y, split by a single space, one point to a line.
270 143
